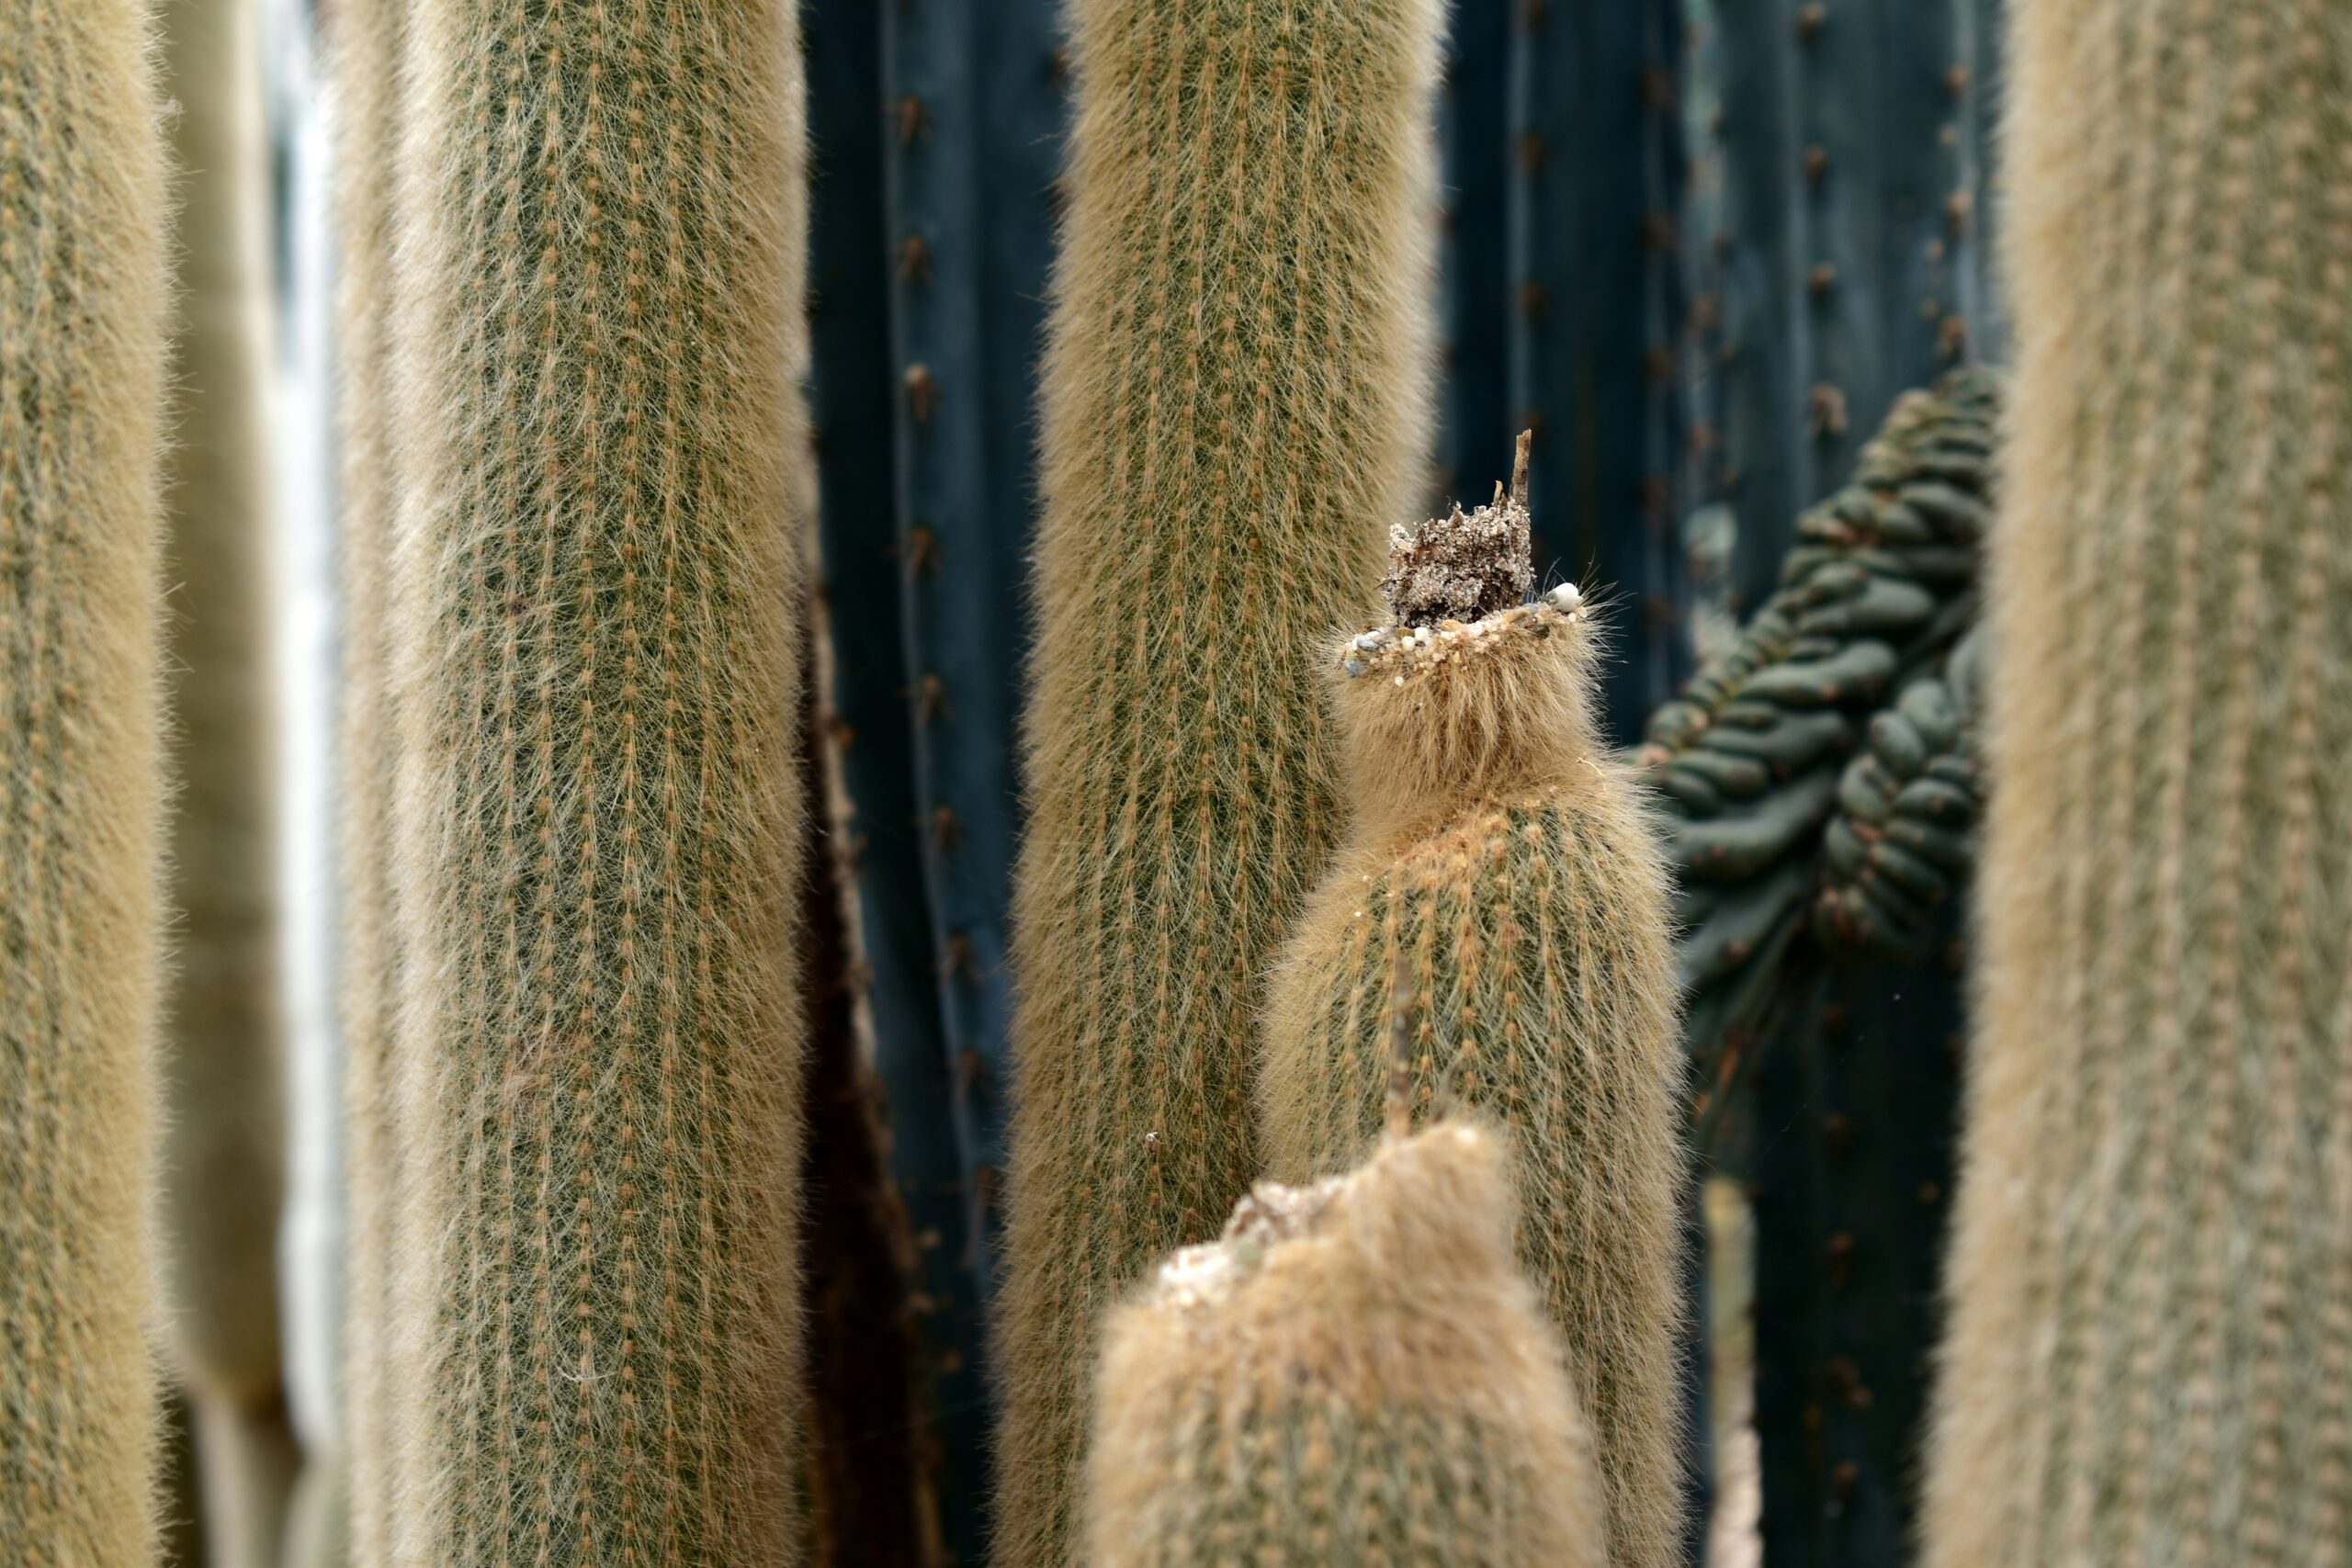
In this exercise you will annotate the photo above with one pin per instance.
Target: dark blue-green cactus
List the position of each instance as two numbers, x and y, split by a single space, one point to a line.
977 112
1856 157
1474 266
855 408
1593 232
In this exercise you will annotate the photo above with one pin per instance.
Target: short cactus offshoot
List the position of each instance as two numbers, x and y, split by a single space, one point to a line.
1356 1373
1511 871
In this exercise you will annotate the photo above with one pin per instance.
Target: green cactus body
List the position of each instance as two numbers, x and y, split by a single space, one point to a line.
1235 380
2151 1351
1900 838
83 315
1502 884
1357 1372
593 607
365 44
224 1151
1751 758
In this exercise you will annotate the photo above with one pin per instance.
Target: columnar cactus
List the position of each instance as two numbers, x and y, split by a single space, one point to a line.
2151 1351
365 41
1234 381
1357 1372
1513 871
593 627
82 301
224 1153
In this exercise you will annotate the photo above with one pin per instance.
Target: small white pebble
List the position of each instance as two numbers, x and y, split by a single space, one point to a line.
1400 680
1354 667
1566 596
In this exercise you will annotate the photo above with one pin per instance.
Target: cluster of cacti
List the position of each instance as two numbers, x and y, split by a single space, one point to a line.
84 301
1501 859
1357 1372
1748 756
2151 1359
1289 886
224 1151
591 625
1235 382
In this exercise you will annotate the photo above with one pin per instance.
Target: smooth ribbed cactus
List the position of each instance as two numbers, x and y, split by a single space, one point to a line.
224 1151
1596 287
1235 386
1358 1371
978 120
877 831
1511 870
365 44
2151 1351
593 626
82 300
1473 291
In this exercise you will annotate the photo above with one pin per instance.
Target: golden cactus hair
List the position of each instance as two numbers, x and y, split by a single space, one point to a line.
1357 1372
366 49
2150 1352
593 624
83 317
1236 378
1510 872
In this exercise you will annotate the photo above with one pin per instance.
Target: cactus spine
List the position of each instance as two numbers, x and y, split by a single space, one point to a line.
366 45
1515 878
592 616
2150 1353
82 329
1235 377
224 1153
1357 1372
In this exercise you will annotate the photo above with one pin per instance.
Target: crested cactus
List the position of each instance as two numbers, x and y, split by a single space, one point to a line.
365 43
1234 383
224 1151
83 315
1748 758
1898 844
593 625
1357 1372
2151 1350
1513 872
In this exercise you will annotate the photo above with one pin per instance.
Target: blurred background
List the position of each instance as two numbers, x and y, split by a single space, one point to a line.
1697 246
